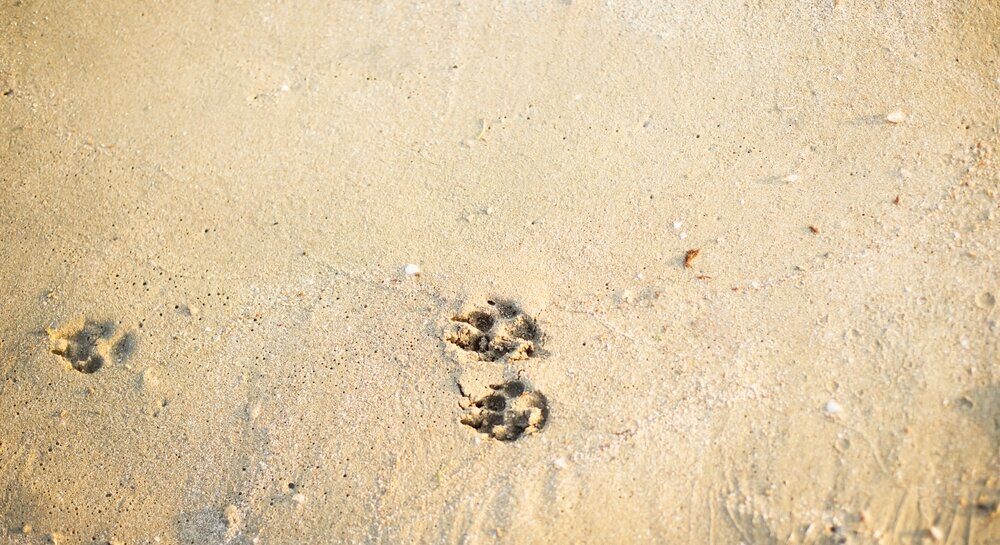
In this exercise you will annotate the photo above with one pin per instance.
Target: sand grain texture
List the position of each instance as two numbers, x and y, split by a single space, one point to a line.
219 202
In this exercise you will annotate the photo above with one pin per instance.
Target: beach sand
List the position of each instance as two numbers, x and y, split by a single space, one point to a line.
715 272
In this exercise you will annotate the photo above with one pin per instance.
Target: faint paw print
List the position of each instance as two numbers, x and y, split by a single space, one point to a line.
87 345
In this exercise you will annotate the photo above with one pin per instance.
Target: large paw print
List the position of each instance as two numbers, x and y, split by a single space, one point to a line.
498 331
508 411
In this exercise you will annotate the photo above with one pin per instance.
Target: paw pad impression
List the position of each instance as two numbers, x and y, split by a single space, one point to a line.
508 411
499 331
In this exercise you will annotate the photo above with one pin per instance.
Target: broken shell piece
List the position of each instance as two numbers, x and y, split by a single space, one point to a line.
896 117
412 270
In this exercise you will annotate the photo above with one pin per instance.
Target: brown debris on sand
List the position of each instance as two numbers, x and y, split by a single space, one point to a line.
690 256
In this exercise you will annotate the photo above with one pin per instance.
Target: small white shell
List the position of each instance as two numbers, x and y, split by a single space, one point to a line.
412 270
896 117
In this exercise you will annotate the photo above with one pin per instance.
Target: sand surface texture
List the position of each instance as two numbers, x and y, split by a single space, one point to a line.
684 272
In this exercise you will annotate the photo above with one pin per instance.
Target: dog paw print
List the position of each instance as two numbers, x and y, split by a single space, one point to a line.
498 331
508 411
87 345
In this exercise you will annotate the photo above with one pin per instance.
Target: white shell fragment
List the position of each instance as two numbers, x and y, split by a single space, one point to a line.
412 270
832 408
896 117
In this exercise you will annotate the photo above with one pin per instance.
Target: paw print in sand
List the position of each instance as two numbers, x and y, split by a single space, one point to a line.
508 411
87 345
498 331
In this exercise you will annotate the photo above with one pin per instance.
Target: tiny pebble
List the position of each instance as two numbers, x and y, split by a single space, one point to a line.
254 411
412 270
560 463
677 224
896 117
936 533
791 178
299 498
149 378
232 516
832 408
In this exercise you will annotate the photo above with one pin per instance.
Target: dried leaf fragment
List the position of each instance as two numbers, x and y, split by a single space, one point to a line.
690 256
